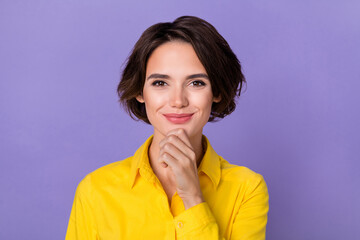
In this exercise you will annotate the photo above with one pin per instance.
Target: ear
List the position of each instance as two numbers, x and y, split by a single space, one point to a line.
217 99
140 99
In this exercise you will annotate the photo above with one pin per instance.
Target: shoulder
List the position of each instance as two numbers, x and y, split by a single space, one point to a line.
116 173
241 176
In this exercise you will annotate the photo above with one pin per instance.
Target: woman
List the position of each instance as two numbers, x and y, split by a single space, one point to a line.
179 76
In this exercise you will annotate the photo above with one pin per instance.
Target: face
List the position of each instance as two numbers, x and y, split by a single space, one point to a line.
177 91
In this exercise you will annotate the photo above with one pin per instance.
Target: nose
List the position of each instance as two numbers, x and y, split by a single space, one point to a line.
178 98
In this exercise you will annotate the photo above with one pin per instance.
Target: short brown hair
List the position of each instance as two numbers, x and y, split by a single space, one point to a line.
219 61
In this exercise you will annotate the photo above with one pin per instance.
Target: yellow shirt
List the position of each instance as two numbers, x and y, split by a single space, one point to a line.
125 200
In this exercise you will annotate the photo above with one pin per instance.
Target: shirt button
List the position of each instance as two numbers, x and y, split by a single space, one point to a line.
180 224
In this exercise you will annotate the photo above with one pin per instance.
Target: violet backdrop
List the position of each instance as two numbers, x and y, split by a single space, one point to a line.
297 123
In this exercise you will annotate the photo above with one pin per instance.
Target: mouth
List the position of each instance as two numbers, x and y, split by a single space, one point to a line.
178 118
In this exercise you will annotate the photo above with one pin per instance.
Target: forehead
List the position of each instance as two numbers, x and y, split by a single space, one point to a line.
174 58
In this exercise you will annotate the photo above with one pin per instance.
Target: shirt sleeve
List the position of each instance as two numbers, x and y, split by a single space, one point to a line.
196 222
251 218
82 222
249 223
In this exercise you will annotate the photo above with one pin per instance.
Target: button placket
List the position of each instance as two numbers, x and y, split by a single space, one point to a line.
180 224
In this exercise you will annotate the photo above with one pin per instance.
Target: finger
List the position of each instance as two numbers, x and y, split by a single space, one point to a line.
170 161
181 133
177 148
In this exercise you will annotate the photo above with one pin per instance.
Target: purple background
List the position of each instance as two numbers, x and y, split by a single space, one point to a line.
297 124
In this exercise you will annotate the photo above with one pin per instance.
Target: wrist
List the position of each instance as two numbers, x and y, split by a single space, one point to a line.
192 201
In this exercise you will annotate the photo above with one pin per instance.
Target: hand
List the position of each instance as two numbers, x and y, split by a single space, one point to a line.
177 154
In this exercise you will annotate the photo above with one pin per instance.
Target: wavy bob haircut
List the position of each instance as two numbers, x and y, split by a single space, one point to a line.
215 54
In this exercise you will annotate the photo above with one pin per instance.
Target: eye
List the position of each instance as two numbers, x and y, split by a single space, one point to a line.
158 83
198 83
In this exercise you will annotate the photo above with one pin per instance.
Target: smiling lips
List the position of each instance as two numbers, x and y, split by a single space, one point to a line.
178 118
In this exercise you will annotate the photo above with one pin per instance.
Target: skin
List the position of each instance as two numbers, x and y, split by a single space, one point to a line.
177 83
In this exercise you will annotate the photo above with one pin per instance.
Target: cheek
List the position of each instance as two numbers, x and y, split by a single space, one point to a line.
153 101
204 101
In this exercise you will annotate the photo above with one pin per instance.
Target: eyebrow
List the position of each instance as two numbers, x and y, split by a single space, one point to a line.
164 76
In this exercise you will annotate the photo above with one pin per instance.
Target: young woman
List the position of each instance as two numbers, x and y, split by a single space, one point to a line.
179 76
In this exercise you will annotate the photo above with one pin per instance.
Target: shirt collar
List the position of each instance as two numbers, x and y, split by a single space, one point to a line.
140 160
210 164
